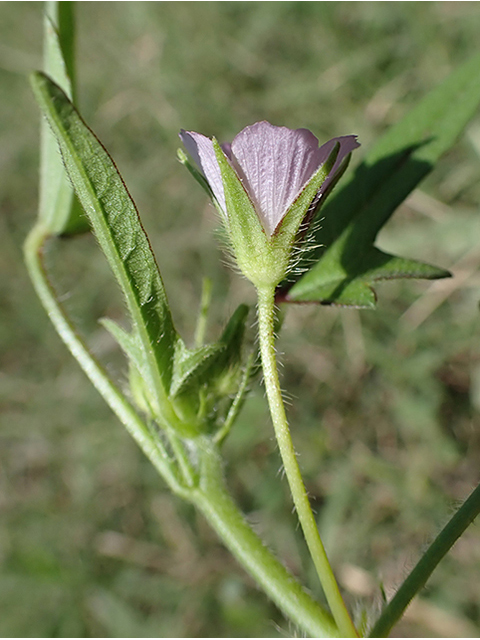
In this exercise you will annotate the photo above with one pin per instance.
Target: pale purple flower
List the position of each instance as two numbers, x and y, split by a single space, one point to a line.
274 164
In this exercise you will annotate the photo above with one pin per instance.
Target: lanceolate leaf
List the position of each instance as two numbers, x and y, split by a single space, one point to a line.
115 221
129 343
347 262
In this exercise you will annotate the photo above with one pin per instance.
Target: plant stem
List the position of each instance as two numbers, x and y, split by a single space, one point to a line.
219 509
212 498
186 468
425 566
237 403
152 447
290 464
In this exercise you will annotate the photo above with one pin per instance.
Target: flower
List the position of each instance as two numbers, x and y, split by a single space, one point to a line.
267 184
274 165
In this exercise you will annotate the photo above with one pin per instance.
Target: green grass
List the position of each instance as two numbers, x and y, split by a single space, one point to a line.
385 405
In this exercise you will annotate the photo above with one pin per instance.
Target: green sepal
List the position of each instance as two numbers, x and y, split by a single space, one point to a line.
202 181
353 216
288 228
250 242
265 259
200 178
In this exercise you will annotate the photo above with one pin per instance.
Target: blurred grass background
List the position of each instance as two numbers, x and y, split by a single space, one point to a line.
385 405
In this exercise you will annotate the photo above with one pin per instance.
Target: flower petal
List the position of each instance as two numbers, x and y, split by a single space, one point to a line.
347 145
275 163
202 152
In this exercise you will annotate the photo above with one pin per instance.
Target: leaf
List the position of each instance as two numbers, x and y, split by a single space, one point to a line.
114 218
418 576
59 210
232 341
340 288
347 262
189 364
205 365
129 343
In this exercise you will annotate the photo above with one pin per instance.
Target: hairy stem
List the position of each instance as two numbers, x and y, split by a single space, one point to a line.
212 498
216 504
290 464
151 446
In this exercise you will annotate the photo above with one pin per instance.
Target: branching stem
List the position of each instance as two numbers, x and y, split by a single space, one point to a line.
211 498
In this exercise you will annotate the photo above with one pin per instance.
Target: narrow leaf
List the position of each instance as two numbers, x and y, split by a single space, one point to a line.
353 216
231 343
115 221
131 345
128 342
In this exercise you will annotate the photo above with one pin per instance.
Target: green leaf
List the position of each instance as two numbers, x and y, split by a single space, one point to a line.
207 365
190 364
336 286
62 18
206 378
130 344
232 340
115 221
59 210
418 576
353 216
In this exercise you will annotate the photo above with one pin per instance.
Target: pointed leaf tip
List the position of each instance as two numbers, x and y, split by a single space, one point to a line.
114 218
